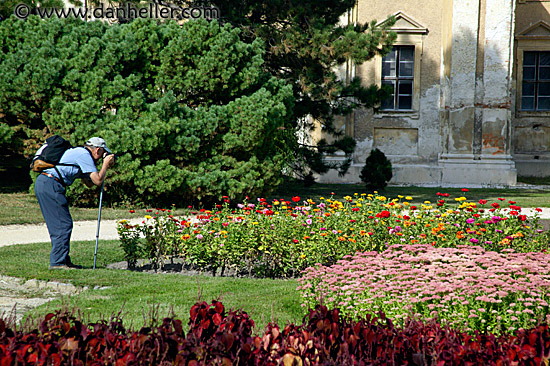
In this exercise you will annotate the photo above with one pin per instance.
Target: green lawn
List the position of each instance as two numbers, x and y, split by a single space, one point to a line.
136 294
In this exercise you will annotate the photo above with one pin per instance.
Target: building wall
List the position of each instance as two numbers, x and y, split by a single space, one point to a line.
531 131
459 131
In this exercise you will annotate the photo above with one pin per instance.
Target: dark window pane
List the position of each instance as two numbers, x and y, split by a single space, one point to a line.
406 69
544 73
528 89
527 103
388 69
388 103
544 89
529 58
544 58
543 104
405 102
390 56
405 87
406 53
529 73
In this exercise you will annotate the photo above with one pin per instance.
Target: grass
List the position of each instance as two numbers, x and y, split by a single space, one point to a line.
138 295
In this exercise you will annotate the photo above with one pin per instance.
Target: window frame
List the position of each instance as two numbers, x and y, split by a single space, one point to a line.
521 49
398 78
536 81
404 39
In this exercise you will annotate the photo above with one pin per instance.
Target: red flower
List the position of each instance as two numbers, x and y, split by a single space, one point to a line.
355 209
464 190
500 199
413 208
296 199
383 214
132 211
406 217
522 217
538 209
295 241
482 202
495 205
511 202
513 213
445 195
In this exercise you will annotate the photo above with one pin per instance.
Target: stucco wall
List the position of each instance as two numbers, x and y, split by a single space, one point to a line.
530 131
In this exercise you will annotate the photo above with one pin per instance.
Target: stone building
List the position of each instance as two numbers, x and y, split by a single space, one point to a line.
471 101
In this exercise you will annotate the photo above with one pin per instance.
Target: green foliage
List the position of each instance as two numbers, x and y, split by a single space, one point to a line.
377 170
189 108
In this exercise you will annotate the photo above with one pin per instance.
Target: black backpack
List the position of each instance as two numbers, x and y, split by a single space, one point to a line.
49 155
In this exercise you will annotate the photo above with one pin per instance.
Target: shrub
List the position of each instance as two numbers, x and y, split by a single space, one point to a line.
188 108
377 171
217 337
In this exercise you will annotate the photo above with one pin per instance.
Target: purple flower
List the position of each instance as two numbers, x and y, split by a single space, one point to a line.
470 221
199 236
474 240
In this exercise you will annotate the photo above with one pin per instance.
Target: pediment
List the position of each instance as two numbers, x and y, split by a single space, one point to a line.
539 30
406 24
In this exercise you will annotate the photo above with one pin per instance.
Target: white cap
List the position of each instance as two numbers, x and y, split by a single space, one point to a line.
98 142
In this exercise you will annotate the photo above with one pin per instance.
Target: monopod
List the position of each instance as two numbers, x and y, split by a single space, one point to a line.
98 221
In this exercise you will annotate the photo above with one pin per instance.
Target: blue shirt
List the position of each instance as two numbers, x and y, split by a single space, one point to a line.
79 156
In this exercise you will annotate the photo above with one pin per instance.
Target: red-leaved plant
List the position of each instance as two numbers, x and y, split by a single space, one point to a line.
217 337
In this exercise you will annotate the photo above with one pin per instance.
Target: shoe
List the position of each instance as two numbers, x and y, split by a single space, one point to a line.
60 266
70 264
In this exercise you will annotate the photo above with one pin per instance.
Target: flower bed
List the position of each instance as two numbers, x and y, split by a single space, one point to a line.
463 287
217 337
281 238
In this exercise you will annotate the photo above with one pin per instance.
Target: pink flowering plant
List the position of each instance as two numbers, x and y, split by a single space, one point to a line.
279 238
465 287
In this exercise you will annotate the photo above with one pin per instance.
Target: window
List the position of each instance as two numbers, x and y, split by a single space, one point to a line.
535 89
398 72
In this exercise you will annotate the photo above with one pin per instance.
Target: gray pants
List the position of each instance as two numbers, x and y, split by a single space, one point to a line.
55 209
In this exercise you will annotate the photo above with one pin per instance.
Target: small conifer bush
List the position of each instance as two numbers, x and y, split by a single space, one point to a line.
377 170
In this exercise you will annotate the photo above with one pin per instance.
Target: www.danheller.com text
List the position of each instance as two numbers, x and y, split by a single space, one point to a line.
126 11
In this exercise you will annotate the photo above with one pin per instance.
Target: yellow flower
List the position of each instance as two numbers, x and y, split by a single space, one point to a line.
363 194
148 217
427 202
255 223
276 212
359 205
123 221
303 256
322 198
399 196
276 203
409 198
405 203
284 207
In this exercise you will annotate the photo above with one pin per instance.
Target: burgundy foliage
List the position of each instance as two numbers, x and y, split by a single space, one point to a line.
217 337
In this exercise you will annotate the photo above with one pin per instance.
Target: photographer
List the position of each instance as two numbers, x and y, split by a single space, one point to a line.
50 187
